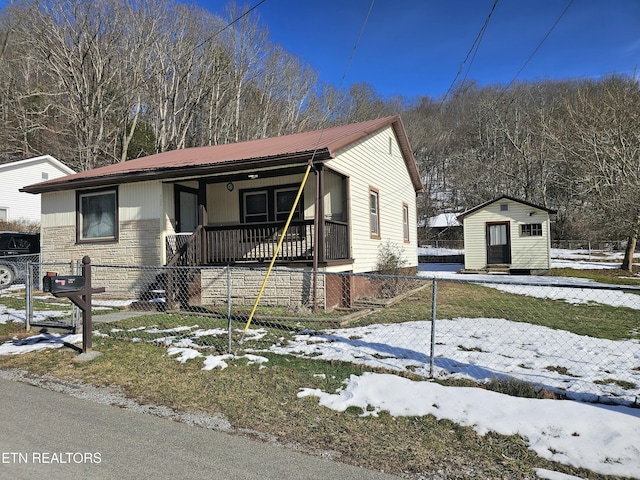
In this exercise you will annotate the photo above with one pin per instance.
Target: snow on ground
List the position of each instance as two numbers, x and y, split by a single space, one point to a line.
596 437
12 315
38 342
472 348
543 286
593 436
600 438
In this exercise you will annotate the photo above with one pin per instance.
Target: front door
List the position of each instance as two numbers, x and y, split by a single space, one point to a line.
186 209
498 244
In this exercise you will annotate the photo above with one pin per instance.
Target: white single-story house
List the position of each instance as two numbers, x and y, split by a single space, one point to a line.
507 234
227 204
16 205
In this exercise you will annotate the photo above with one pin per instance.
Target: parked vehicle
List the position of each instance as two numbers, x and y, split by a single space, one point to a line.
16 251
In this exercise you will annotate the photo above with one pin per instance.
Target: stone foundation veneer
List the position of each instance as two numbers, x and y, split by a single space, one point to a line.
286 287
134 262
138 245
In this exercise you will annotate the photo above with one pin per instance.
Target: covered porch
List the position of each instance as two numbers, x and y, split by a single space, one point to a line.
236 244
239 219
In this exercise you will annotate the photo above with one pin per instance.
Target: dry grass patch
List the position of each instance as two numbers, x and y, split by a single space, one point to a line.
265 400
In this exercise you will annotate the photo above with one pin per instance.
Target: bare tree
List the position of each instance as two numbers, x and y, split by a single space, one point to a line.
601 150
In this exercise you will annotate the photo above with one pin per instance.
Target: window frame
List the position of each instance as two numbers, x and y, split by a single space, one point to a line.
374 217
531 230
81 231
271 199
250 217
281 216
406 231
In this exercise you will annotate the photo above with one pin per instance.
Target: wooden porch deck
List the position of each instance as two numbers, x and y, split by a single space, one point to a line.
257 243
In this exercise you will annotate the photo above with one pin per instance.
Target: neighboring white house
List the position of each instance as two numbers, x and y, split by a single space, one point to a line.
16 205
507 234
228 204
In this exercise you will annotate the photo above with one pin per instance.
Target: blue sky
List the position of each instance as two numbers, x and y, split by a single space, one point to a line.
416 47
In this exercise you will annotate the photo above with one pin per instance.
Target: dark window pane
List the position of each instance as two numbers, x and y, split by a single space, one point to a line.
98 215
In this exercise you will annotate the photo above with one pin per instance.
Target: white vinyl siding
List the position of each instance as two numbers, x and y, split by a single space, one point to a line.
15 175
369 164
223 206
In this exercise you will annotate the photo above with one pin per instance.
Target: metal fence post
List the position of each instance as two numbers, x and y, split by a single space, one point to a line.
433 326
229 305
29 297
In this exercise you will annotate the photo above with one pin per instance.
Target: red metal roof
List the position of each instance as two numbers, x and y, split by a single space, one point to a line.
289 149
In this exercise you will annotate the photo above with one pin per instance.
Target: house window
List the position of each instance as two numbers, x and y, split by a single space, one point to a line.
284 201
255 207
4 214
531 230
45 175
97 213
374 212
405 222
504 207
270 204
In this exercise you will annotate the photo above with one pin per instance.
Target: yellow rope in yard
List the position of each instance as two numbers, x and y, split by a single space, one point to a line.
275 254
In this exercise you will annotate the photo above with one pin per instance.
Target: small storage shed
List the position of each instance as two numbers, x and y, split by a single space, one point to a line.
507 235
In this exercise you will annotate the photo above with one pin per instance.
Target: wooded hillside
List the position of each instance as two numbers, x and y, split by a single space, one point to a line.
93 83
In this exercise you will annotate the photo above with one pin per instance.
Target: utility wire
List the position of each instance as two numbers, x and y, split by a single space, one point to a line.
474 48
540 44
355 46
215 34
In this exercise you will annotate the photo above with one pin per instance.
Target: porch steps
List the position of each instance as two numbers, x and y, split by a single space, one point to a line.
498 269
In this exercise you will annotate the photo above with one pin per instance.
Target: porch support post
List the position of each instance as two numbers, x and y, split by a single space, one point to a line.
202 220
346 213
320 242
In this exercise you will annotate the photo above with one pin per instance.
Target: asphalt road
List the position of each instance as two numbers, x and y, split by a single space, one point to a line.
50 435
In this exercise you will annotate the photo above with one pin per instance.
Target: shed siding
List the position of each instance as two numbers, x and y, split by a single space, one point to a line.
526 252
370 164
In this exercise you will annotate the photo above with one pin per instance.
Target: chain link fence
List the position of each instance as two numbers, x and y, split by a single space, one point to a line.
573 338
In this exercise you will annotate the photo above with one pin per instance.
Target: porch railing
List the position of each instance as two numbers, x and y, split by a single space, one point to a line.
184 249
257 242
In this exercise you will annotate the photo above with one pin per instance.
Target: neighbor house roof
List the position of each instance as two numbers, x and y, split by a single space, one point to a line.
319 145
462 216
444 220
35 160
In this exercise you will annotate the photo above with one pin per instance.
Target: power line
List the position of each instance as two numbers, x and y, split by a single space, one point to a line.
355 46
211 37
540 44
474 48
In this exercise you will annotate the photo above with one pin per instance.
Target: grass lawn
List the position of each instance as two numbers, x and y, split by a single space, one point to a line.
264 400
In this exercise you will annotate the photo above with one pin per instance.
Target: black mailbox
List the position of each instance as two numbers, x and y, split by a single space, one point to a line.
59 284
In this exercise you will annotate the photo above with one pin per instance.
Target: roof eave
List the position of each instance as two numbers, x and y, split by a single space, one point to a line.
173 172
